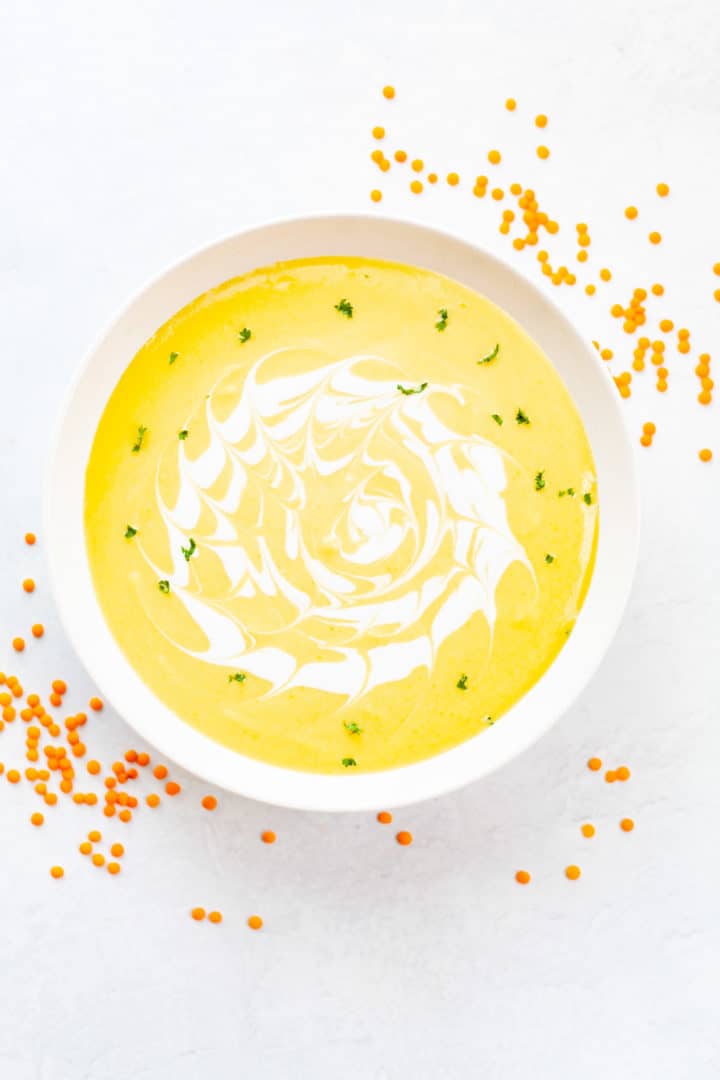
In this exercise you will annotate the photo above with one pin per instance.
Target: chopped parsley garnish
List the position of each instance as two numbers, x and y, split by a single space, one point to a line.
173 357
497 418
345 308
352 728
412 389
183 434
348 762
164 586
522 417
540 480
462 682
239 676
490 356
130 532
549 558
587 498
566 491
142 432
190 550
244 335
443 313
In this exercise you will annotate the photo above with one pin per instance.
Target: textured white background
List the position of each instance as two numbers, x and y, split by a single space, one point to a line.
133 132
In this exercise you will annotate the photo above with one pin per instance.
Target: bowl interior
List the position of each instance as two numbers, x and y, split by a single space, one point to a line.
380 238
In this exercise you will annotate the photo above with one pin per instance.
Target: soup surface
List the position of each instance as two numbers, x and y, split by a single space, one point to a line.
340 514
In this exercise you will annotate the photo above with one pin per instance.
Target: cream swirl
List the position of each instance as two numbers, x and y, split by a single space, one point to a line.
344 531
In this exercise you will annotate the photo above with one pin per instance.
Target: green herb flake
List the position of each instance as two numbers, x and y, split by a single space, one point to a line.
443 313
566 491
345 308
130 532
549 558
522 417
164 586
349 762
540 480
490 356
412 389
245 334
497 418
182 435
462 682
352 728
489 721
587 498
190 550
239 676
173 357
141 433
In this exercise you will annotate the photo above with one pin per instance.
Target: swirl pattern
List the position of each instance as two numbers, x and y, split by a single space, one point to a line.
344 530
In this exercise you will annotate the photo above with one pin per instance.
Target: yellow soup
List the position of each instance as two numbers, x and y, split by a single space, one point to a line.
341 514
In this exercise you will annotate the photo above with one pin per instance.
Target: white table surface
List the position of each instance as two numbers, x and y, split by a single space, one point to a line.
134 132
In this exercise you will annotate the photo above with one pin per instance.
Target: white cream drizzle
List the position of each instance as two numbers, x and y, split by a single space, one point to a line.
284 440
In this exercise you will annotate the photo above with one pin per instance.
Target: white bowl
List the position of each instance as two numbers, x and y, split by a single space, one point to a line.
381 238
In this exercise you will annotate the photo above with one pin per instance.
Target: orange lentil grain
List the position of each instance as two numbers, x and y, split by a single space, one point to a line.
37 630
153 801
28 585
541 120
590 290
587 830
18 644
453 179
605 274
95 835
268 837
378 132
376 195
645 440
209 802
160 772
215 917
36 819
649 428
627 824
57 872
417 165
611 776
497 194
494 157
522 877
705 397
13 776
432 178
511 104
666 325
255 922
143 759
93 767
113 867
662 190
198 914
572 872
416 186
705 454
125 815
85 847
654 237
657 289
96 704
631 212
404 838
389 92
400 156
98 859
543 152
172 788
30 538
385 817
59 686
56 700
623 773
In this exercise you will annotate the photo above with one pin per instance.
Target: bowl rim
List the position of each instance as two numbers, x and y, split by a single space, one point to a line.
443 772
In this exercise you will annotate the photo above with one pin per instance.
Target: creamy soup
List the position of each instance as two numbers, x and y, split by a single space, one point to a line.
341 514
